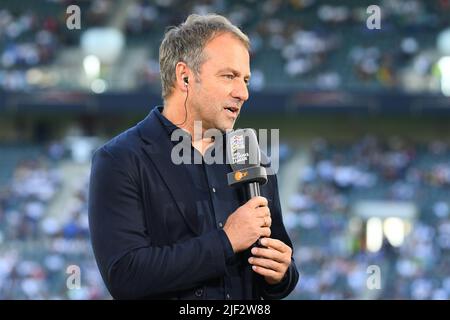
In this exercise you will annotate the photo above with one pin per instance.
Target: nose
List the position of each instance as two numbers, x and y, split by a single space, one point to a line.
240 91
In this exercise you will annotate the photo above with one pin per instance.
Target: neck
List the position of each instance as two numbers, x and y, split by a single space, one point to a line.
175 113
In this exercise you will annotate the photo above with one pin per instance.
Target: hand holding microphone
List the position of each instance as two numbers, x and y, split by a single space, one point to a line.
250 221
249 225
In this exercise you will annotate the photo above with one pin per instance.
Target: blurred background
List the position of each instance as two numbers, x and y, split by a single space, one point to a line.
364 119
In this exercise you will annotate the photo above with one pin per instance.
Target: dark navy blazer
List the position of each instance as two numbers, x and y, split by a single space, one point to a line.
145 231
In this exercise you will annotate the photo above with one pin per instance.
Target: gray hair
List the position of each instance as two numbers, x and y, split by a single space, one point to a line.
186 42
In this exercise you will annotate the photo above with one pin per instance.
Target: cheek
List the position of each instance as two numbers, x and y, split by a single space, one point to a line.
210 103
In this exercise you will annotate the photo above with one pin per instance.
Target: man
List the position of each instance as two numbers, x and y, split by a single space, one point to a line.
166 231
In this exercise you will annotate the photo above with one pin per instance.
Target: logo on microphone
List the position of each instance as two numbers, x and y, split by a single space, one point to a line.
239 175
237 142
239 157
238 149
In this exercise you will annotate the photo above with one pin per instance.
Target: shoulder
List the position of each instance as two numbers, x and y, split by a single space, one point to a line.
121 148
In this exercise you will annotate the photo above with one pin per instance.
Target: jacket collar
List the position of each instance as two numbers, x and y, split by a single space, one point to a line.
158 147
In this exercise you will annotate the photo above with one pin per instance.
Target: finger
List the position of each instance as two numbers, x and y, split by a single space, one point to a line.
265 222
276 244
258 201
262 212
266 272
268 221
266 263
265 210
265 232
269 254
262 222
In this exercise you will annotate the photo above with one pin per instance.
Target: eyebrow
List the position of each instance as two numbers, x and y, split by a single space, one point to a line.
235 72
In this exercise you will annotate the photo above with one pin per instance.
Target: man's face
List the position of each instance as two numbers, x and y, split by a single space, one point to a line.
217 98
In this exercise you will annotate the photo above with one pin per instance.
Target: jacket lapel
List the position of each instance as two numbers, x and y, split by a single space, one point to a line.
158 147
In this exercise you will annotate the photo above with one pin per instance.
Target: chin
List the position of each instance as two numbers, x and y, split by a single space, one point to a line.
222 129
224 126
227 127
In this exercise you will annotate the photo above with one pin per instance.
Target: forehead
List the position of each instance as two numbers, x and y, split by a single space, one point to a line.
226 51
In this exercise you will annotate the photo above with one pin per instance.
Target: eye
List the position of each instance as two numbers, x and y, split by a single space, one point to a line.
247 81
229 76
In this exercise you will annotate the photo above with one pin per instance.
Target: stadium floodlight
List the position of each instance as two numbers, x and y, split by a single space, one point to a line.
91 65
374 234
105 43
98 86
444 69
394 230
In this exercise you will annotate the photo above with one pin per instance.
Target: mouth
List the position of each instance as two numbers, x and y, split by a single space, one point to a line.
233 111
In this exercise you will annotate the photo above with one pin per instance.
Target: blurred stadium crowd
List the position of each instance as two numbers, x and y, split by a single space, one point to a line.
296 43
37 245
394 169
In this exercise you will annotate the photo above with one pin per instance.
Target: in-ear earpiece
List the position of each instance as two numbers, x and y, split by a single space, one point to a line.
186 80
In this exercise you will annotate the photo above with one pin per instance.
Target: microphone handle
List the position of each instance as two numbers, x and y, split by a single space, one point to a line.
252 190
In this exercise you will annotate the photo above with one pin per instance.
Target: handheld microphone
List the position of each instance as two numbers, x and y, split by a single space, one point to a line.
244 156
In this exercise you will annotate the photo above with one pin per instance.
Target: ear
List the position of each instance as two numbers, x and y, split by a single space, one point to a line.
182 71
